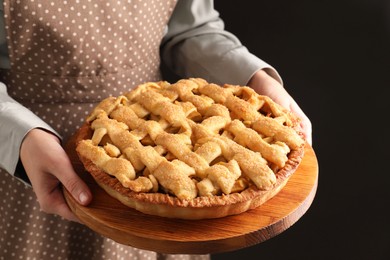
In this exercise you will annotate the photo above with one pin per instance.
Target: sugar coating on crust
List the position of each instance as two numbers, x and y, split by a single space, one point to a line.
190 144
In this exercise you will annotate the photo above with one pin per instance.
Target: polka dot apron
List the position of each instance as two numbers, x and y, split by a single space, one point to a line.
66 56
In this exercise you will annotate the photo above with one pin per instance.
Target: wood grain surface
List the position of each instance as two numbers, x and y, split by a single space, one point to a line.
110 218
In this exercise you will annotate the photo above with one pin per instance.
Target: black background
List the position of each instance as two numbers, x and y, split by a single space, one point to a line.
334 59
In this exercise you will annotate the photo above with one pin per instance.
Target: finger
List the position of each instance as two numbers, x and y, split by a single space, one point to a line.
307 130
77 188
73 183
305 122
63 210
57 205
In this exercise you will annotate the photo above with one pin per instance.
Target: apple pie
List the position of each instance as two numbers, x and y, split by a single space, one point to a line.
192 149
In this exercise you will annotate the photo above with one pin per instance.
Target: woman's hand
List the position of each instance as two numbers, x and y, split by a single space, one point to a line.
47 166
264 84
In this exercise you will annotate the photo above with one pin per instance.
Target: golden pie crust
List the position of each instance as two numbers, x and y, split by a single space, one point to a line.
192 149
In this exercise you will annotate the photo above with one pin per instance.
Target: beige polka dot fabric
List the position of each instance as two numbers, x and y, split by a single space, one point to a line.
28 233
66 56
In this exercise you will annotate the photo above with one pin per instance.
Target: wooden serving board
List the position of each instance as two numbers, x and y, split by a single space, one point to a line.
110 218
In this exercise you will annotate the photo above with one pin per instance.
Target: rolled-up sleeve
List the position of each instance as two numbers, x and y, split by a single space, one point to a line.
197 45
15 122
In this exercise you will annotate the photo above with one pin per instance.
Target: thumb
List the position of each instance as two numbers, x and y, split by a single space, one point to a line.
74 184
77 188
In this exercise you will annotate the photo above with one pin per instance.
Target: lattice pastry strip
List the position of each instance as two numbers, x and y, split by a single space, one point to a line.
190 138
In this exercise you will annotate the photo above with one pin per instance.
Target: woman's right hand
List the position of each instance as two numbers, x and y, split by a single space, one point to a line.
264 84
48 166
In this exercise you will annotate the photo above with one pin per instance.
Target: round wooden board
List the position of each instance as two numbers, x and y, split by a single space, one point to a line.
107 216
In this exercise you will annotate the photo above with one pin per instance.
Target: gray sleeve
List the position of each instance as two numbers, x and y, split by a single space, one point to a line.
197 45
15 122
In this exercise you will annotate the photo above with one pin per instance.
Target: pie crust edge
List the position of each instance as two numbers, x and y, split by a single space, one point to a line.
165 205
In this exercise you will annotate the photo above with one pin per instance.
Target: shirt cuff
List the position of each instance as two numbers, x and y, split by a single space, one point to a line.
239 65
15 122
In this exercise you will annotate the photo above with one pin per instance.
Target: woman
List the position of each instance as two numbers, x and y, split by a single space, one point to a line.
60 58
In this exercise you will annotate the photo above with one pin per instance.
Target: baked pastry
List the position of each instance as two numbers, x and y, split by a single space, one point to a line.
192 149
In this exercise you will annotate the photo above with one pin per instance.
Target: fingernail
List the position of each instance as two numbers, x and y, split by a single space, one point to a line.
83 198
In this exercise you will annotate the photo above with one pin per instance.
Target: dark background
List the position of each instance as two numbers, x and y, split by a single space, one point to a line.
334 59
